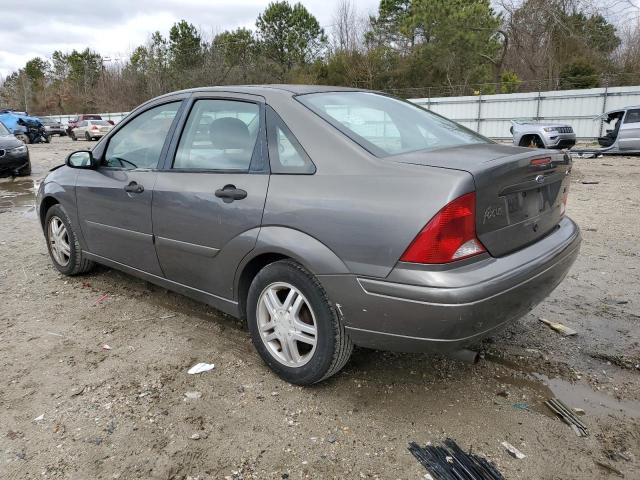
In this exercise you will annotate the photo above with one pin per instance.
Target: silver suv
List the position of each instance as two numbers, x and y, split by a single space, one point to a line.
543 135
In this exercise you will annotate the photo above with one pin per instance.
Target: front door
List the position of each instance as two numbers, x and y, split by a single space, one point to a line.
629 134
208 200
114 201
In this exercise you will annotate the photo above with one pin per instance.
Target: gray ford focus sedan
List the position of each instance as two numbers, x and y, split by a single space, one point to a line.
326 217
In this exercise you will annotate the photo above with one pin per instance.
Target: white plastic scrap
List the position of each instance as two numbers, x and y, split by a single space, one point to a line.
200 368
39 418
513 451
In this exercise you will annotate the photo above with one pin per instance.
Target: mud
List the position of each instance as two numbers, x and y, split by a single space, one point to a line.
70 409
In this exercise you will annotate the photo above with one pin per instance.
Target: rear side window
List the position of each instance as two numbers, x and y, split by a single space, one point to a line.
139 143
633 116
219 135
286 155
387 126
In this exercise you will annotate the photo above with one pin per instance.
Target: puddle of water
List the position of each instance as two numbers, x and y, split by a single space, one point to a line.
17 195
575 395
592 401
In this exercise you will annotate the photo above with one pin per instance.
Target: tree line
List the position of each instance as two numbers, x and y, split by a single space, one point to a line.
408 47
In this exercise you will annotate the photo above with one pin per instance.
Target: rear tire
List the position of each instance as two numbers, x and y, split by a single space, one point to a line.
332 346
73 136
62 243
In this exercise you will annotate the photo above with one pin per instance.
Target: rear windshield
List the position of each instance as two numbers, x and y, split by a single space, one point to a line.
387 126
99 122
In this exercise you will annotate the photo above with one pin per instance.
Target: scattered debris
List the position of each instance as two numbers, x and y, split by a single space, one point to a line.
521 406
609 468
200 368
56 334
558 327
567 416
106 347
579 411
170 315
193 395
503 393
75 391
331 438
449 462
101 299
39 418
513 451
590 182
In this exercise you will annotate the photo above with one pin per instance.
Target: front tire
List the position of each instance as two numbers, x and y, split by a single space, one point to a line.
294 326
73 136
62 243
87 137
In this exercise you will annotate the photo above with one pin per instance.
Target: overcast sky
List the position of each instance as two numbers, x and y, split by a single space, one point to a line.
31 28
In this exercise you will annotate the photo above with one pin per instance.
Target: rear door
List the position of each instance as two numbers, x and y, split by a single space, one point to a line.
209 198
629 134
114 200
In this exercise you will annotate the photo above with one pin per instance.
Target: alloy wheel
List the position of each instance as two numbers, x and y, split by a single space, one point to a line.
287 324
59 241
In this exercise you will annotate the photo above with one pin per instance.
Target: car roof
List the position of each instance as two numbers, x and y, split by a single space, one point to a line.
268 90
622 109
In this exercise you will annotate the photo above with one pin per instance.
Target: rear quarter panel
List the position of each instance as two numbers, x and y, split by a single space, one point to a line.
364 209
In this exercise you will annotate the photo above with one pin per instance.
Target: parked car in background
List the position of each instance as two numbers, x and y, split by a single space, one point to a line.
73 123
543 135
91 130
14 155
53 127
325 216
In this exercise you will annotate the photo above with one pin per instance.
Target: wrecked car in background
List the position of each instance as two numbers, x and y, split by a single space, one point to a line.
624 132
24 127
542 135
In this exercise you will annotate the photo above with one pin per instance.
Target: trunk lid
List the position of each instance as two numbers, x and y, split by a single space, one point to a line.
519 192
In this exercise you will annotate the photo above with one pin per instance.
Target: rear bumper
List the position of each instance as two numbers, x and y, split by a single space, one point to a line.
416 310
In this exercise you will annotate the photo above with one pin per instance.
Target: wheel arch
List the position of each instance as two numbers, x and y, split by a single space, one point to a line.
47 202
279 243
526 138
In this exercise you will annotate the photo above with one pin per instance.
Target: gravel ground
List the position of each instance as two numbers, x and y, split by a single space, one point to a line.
70 408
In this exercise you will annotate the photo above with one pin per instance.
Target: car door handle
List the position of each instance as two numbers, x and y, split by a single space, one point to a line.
229 193
133 187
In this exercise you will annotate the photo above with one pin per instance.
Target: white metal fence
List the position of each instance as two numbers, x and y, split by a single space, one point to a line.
64 119
490 115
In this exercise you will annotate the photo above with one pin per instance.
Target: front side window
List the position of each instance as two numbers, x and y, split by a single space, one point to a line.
633 116
219 135
3 129
387 126
139 143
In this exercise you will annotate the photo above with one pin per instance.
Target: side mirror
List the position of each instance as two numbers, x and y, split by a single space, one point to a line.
81 159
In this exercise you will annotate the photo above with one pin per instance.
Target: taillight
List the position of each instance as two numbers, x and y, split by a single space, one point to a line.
450 235
95 127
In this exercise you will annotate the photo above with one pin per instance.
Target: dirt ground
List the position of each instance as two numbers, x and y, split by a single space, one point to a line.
69 408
